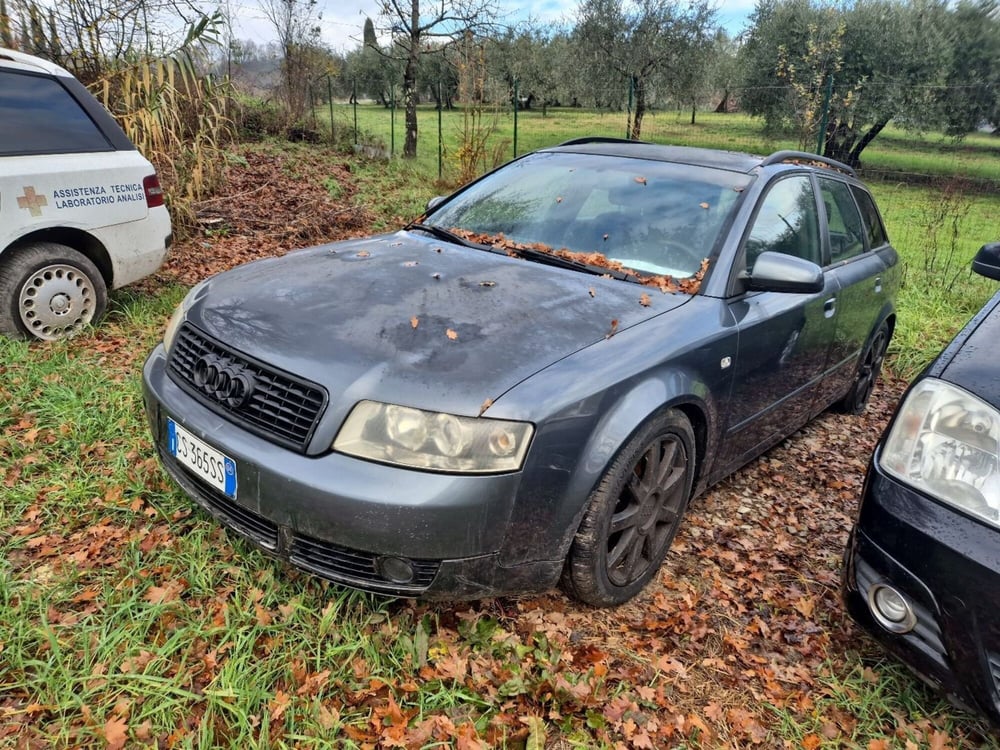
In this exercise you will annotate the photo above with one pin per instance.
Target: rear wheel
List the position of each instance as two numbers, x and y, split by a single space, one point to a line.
633 514
868 371
49 292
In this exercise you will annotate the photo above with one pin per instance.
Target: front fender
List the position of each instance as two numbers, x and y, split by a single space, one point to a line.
557 485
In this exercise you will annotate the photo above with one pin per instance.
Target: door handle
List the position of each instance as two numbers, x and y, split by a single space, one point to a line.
830 307
878 285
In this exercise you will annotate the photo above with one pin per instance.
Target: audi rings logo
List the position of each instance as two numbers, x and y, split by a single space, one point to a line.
223 380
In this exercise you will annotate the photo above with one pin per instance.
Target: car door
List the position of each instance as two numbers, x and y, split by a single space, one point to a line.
860 273
784 338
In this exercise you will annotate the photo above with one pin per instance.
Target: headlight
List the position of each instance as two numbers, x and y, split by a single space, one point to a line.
432 441
945 442
178 316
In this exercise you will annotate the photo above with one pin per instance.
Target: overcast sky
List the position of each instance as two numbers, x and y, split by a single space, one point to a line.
343 19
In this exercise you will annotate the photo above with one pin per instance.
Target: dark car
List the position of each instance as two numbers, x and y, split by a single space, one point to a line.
922 570
532 380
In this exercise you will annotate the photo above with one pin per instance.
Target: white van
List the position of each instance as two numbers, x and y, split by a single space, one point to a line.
81 211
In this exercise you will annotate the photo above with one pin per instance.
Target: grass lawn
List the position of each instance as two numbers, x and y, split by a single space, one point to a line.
128 619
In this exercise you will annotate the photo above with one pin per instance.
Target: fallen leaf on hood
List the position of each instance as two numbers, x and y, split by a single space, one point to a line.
414 321
641 180
593 292
363 254
486 405
411 263
703 205
614 329
451 334
644 299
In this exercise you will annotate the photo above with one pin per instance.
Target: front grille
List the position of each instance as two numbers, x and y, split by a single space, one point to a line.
356 568
279 406
926 634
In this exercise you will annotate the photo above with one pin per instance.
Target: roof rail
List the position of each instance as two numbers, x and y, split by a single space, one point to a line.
779 157
597 139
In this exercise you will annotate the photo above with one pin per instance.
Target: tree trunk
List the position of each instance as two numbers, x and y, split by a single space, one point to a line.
410 82
865 140
640 109
694 109
724 104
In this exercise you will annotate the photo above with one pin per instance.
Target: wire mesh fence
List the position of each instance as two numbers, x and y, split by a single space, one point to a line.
457 139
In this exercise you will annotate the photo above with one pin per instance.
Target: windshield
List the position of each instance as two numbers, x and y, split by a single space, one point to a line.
653 217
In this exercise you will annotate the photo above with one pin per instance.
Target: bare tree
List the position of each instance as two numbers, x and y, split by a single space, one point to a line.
413 28
296 23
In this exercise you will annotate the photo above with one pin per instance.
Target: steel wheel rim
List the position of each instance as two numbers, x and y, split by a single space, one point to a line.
56 301
648 511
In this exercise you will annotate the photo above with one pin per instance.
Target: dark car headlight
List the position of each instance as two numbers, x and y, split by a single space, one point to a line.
433 441
946 442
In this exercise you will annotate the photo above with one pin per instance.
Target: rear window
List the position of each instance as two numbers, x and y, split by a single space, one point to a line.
38 116
876 232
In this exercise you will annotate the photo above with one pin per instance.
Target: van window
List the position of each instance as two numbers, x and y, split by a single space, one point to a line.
38 116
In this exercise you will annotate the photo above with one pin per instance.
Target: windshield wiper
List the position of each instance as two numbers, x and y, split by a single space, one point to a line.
441 233
550 259
528 253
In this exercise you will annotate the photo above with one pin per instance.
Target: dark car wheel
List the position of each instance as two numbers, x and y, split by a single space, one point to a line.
868 371
49 292
633 514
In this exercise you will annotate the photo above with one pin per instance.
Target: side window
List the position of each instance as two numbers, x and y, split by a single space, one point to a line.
38 116
787 222
873 222
846 230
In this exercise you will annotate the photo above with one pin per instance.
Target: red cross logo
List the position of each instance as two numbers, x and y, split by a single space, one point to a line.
31 201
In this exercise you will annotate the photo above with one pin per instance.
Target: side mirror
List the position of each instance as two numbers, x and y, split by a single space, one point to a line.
777 272
987 261
435 201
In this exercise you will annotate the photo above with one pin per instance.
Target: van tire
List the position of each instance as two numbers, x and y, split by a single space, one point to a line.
49 292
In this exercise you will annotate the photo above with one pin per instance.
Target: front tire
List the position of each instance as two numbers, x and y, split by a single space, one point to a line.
634 513
49 292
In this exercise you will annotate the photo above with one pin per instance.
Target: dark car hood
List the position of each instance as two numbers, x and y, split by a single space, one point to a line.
970 360
407 319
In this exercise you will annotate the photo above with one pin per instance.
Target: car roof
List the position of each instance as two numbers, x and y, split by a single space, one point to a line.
20 61
735 161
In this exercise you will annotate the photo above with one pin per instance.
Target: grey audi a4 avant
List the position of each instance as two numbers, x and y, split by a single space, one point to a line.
529 383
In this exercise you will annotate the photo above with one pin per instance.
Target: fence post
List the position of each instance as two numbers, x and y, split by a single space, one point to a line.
329 90
440 134
354 91
826 114
392 121
312 104
515 117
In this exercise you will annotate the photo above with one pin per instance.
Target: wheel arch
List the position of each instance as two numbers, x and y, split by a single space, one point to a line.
83 242
676 389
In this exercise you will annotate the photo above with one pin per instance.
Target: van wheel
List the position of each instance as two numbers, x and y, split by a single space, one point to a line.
49 292
633 514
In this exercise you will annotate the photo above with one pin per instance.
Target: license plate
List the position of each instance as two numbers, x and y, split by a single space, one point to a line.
204 461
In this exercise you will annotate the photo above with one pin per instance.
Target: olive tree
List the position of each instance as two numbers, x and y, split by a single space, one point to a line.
855 66
644 42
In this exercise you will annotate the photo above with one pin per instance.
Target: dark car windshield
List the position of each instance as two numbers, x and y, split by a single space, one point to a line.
653 217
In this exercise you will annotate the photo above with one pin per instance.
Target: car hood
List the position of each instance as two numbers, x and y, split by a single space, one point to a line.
407 319
970 360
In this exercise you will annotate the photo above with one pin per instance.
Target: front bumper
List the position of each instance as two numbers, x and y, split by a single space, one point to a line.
340 517
948 566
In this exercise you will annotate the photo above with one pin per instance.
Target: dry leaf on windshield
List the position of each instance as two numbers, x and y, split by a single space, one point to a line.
414 321
451 334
